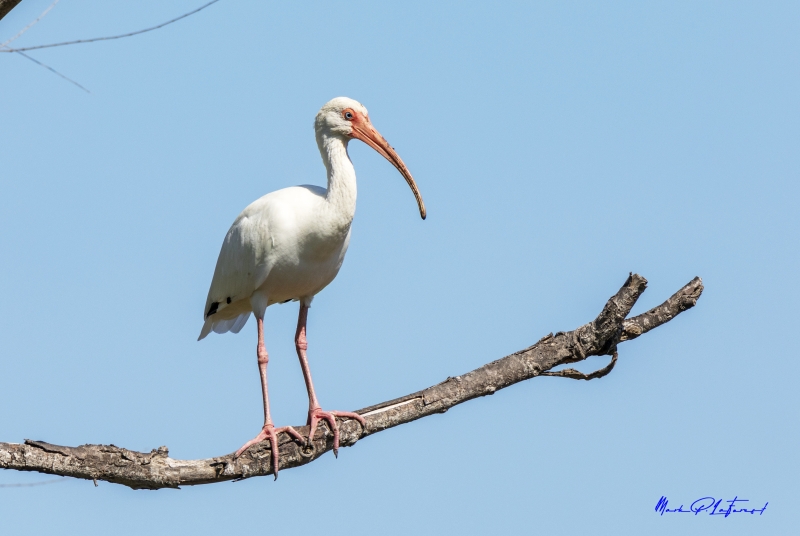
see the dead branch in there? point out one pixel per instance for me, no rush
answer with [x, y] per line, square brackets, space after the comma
[155, 470]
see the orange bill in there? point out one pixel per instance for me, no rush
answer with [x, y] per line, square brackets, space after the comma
[364, 131]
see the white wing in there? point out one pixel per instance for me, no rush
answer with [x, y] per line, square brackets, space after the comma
[249, 252]
[242, 264]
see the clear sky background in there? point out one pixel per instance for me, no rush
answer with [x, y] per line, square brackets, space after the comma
[558, 146]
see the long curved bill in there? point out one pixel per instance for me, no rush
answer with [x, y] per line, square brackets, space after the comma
[364, 131]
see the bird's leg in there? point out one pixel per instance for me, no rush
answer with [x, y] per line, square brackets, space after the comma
[268, 431]
[315, 412]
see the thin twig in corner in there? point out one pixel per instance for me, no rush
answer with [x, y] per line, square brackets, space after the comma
[79, 41]
[21, 51]
[29, 26]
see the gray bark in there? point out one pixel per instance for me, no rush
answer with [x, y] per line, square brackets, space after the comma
[155, 470]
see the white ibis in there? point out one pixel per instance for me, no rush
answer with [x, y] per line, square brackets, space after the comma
[288, 246]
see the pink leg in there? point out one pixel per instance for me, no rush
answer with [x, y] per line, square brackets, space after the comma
[269, 431]
[315, 412]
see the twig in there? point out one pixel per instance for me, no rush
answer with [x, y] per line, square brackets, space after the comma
[50, 69]
[79, 41]
[21, 51]
[29, 26]
[578, 375]
[685, 298]
[33, 484]
[155, 470]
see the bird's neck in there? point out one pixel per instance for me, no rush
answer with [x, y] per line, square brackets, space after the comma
[341, 194]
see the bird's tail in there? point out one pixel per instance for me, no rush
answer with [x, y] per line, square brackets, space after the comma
[223, 326]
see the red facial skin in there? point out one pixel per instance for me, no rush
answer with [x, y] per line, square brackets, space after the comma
[364, 131]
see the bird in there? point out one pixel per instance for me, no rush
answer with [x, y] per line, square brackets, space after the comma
[288, 246]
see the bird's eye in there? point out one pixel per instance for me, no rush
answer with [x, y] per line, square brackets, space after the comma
[348, 115]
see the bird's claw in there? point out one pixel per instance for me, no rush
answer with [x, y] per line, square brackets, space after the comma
[270, 433]
[316, 415]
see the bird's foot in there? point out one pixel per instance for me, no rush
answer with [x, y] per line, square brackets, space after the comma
[270, 433]
[317, 414]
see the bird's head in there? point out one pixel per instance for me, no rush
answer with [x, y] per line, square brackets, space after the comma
[347, 118]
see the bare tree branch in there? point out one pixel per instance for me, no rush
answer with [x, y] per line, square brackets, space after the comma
[156, 469]
[110, 37]
[6, 6]
[685, 298]
[21, 51]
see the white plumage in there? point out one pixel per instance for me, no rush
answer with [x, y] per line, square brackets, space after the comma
[289, 245]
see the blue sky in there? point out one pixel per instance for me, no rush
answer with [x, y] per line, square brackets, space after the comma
[558, 146]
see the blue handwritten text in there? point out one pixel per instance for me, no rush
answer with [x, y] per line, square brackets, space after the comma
[710, 506]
